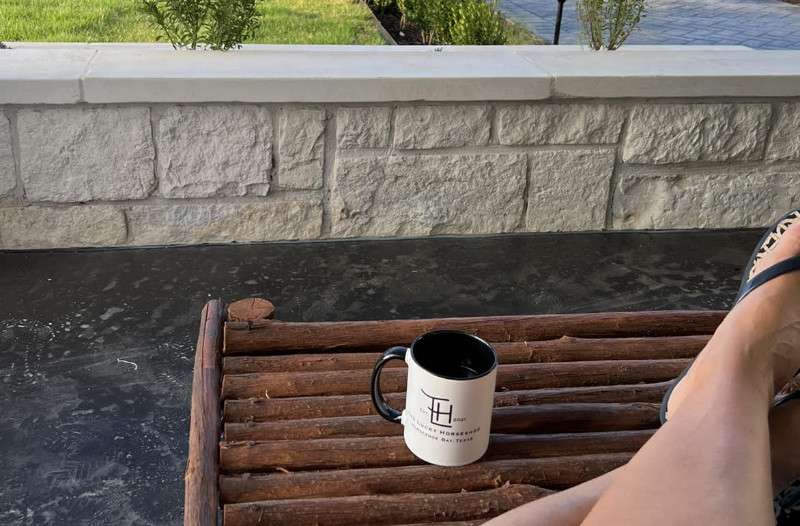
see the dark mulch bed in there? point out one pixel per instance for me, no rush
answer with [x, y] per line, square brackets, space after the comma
[403, 34]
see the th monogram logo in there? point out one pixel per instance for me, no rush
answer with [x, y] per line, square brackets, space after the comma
[441, 413]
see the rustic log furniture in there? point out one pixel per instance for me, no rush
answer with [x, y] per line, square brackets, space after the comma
[283, 431]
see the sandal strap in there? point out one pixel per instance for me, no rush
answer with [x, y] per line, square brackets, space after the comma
[795, 395]
[778, 269]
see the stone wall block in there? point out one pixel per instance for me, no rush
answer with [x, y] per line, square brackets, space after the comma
[302, 145]
[727, 197]
[420, 127]
[366, 127]
[537, 124]
[785, 143]
[676, 133]
[62, 227]
[428, 194]
[219, 150]
[86, 154]
[569, 189]
[192, 223]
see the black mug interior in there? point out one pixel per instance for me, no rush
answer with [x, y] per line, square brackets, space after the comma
[454, 355]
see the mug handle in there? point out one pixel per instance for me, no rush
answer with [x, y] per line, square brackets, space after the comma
[390, 414]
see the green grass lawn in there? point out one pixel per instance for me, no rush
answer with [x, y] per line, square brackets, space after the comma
[283, 22]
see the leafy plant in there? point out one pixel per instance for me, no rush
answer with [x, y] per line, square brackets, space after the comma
[608, 23]
[430, 16]
[456, 21]
[216, 24]
[477, 22]
[381, 6]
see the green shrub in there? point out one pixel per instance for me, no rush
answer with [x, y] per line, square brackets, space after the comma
[216, 24]
[430, 16]
[461, 22]
[608, 23]
[477, 22]
[382, 6]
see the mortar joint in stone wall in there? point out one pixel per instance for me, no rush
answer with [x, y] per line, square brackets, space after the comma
[614, 180]
[153, 131]
[275, 115]
[773, 122]
[526, 195]
[328, 167]
[493, 138]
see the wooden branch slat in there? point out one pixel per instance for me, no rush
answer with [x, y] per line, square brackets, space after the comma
[339, 453]
[267, 410]
[379, 510]
[448, 523]
[509, 377]
[528, 419]
[200, 481]
[269, 336]
[551, 473]
[566, 349]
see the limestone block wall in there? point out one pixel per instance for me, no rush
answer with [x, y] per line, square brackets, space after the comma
[137, 173]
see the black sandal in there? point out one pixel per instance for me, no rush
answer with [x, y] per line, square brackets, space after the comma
[750, 283]
[787, 503]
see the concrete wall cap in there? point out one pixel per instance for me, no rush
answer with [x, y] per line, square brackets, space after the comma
[33, 73]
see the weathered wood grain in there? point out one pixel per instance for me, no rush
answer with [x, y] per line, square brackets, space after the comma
[200, 480]
[271, 336]
[566, 349]
[264, 410]
[377, 510]
[551, 473]
[339, 453]
[509, 378]
[527, 419]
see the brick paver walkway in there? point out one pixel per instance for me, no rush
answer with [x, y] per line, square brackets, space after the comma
[764, 24]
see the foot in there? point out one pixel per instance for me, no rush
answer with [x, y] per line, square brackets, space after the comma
[760, 337]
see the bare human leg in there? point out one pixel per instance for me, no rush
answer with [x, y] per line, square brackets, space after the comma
[710, 464]
[565, 508]
[570, 507]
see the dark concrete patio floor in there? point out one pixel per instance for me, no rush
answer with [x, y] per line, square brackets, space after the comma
[96, 347]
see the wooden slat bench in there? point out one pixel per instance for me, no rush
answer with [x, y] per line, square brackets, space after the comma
[283, 431]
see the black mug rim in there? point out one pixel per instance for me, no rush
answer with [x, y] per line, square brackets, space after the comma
[480, 340]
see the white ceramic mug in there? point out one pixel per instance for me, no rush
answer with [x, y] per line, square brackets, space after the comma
[449, 396]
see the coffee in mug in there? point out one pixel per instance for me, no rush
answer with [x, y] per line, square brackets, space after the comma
[449, 396]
